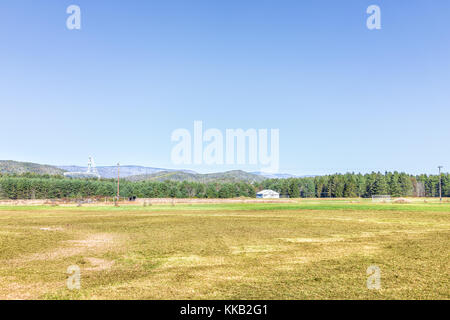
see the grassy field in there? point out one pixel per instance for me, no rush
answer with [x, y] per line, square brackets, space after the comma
[306, 250]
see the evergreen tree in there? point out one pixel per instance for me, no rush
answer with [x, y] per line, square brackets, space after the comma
[350, 189]
[394, 185]
[406, 185]
[379, 185]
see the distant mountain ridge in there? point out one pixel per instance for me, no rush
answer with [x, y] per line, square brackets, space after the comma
[16, 167]
[228, 176]
[274, 175]
[109, 172]
[141, 173]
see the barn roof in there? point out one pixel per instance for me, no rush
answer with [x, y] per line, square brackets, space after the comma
[267, 192]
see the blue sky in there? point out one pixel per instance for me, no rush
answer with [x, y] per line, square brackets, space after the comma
[344, 98]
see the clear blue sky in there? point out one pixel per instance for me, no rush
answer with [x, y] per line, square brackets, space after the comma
[343, 97]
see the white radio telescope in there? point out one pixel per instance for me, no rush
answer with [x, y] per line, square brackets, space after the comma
[91, 172]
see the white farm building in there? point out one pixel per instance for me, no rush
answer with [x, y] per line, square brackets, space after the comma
[268, 194]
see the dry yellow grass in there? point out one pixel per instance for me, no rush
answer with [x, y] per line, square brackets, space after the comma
[305, 250]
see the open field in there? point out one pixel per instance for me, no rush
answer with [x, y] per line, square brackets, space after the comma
[306, 249]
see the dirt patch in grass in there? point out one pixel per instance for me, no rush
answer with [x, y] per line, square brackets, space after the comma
[93, 243]
[99, 240]
[50, 228]
[255, 249]
[12, 289]
[311, 240]
[98, 264]
[191, 261]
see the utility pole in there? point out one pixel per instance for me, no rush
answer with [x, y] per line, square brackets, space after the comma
[440, 183]
[118, 181]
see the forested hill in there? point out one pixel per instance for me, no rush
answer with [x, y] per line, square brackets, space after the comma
[16, 167]
[229, 176]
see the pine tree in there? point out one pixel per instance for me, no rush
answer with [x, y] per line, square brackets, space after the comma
[379, 185]
[394, 186]
[350, 189]
[406, 185]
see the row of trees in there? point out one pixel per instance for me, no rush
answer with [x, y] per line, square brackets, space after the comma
[32, 186]
[357, 185]
[56, 188]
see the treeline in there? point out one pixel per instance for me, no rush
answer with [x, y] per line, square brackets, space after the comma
[33, 186]
[358, 185]
[19, 187]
